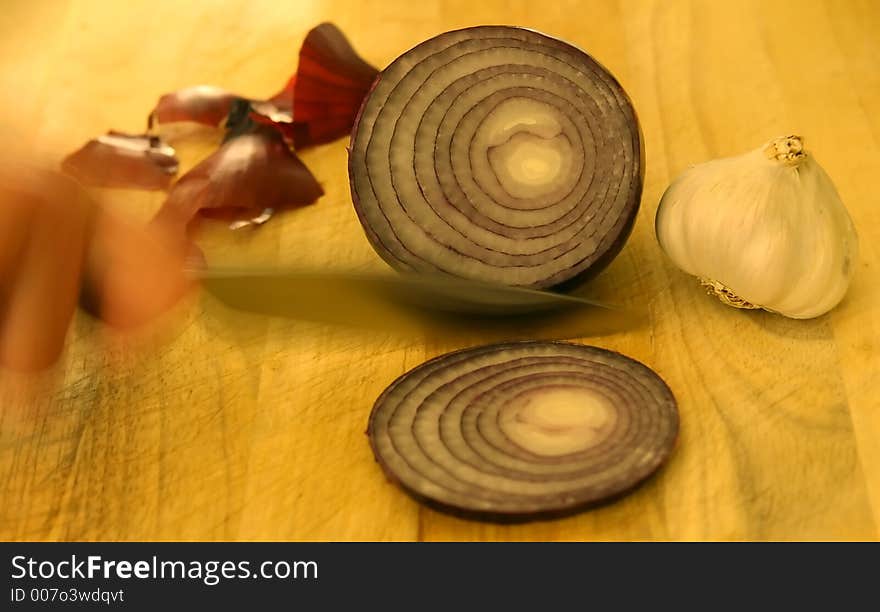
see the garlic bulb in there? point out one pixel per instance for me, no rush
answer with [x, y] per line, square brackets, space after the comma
[766, 229]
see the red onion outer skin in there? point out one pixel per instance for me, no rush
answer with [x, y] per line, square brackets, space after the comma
[203, 104]
[245, 176]
[319, 103]
[438, 430]
[123, 161]
[410, 248]
[331, 82]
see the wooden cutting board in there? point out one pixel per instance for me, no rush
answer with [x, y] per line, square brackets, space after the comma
[236, 427]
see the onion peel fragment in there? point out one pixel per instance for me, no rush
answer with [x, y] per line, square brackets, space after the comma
[318, 103]
[253, 173]
[323, 97]
[204, 104]
[119, 160]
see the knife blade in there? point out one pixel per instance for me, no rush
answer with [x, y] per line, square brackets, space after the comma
[414, 303]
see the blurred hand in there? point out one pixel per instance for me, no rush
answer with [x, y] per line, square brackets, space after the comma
[55, 243]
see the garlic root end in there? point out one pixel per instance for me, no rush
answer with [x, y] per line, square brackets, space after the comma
[726, 295]
[787, 150]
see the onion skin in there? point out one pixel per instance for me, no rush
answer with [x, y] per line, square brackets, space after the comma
[248, 174]
[204, 104]
[326, 92]
[317, 104]
[123, 161]
[435, 430]
[618, 125]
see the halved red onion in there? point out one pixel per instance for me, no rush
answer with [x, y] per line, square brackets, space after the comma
[138, 161]
[497, 154]
[524, 430]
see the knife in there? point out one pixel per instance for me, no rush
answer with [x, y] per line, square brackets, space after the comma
[414, 303]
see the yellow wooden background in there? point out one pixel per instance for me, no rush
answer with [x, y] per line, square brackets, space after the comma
[237, 427]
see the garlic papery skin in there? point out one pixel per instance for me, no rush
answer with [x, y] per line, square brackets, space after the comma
[764, 229]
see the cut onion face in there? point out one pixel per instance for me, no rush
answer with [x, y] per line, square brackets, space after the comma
[497, 154]
[523, 431]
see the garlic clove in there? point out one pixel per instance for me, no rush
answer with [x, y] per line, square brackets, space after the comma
[764, 229]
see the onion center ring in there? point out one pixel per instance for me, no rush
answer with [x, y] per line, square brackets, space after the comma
[523, 431]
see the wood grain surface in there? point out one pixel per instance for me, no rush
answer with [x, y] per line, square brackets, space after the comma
[230, 426]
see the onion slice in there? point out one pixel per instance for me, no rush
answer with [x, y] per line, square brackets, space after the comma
[523, 431]
[497, 154]
[120, 160]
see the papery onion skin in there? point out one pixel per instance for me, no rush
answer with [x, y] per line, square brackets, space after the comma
[123, 161]
[413, 244]
[317, 104]
[205, 104]
[320, 102]
[244, 177]
[438, 431]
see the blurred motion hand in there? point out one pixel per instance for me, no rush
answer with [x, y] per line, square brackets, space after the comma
[55, 243]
